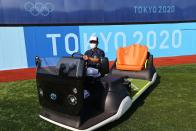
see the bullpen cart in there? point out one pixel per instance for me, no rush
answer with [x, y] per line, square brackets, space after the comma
[75, 101]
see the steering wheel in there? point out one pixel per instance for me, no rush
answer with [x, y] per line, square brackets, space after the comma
[78, 54]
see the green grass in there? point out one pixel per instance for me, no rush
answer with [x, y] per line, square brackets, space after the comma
[170, 105]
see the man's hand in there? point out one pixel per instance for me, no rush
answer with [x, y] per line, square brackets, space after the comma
[85, 57]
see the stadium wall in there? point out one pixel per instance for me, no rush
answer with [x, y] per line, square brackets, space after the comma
[95, 11]
[20, 45]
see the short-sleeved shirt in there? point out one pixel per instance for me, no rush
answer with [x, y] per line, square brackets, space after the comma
[97, 53]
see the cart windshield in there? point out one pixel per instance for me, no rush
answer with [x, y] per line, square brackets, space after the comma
[49, 65]
[49, 61]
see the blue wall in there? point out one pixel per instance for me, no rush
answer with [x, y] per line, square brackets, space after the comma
[12, 48]
[95, 11]
[19, 45]
[50, 41]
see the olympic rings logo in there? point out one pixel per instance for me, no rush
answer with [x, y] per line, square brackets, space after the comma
[39, 8]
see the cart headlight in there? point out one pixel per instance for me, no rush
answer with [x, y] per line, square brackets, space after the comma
[75, 91]
[72, 100]
[41, 93]
[53, 96]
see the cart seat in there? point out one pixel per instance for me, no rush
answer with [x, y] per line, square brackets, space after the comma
[131, 58]
[134, 61]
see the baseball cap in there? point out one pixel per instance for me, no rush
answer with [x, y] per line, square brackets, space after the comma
[93, 39]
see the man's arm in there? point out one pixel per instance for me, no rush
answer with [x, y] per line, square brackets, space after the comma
[96, 60]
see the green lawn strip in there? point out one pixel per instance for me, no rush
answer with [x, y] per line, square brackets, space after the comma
[137, 85]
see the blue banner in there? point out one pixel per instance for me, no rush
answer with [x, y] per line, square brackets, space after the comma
[95, 11]
[20, 45]
[163, 40]
[50, 42]
[12, 48]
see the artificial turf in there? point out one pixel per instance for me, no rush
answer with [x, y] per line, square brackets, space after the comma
[169, 105]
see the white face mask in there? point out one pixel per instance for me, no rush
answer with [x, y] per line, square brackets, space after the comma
[92, 46]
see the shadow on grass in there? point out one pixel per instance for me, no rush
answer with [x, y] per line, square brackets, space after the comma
[138, 103]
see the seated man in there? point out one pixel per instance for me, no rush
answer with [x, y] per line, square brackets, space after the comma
[92, 57]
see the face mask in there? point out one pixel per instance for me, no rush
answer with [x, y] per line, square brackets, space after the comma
[92, 46]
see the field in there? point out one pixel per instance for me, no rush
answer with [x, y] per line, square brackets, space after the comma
[169, 105]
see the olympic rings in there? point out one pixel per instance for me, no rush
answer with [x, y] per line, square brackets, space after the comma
[39, 8]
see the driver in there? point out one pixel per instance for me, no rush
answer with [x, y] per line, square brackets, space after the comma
[92, 57]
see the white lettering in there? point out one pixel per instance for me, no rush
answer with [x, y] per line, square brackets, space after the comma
[75, 37]
[106, 40]
[117, 35]
[53, 36]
